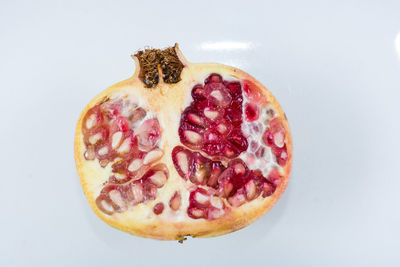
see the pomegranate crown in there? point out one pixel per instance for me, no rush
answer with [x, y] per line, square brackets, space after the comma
[154, 63]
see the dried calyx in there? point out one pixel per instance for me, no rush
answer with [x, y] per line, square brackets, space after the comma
[150, 60]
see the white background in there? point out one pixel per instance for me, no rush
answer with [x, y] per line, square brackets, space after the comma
[332, 65]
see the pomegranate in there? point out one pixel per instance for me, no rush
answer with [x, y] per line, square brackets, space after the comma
[182, 149]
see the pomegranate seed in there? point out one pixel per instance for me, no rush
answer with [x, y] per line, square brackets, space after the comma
[158, 208]
[137, 192]
[122, 123]
[158, 178]
[106, 207]
[196, 213]
[125, 146]
[228, 152]
[175, 202]
[104, 162]
[193, 118]
[211, 114]
[198, 92]
[149, 191]
[217, 169]
[182, 158]
[238, 140]
[283, 158]
[116, 197]
[211, 136]
[274, 177]
[234, 116]
[235, 88]
[252, 92]
[116, 139]
[216, 202]
[95, 138]
[213, 78]
[192, 137]
[91, 121]
[279, 139]
[268, 189]
[103, 151]
[252, 112]
[202, 199]
[199, 175]
[276, 125]
[217, 95]
[119, 166]
[221, 128]
[153, 156]
[237, 200]
[148, 134]
[135, 165]
[137, 115]
[267, 138]
[112, 108]
[119, 176]
[227, 189]
[250, 190]
[215, 213]
[90, 154]
[183, 162]
[239, 169]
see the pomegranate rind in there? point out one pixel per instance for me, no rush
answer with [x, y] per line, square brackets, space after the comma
[159, 100]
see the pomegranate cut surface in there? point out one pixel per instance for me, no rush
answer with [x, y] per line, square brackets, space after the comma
[182, 149]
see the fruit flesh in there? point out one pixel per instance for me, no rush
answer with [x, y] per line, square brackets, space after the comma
[230, 224]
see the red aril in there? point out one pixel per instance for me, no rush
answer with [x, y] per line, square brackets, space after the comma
[183, 149]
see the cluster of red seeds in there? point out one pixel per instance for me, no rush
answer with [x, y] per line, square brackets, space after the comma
[212, 124]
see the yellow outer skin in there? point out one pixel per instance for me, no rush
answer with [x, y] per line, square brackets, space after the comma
[168, 99]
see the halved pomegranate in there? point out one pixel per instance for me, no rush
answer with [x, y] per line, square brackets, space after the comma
[182, 149]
